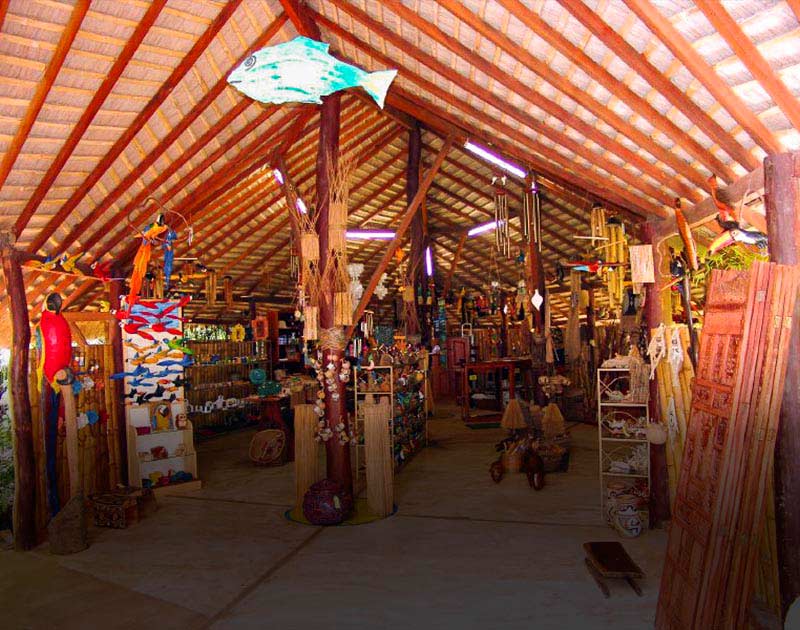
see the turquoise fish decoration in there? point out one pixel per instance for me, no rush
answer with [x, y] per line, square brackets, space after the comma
[302, 71]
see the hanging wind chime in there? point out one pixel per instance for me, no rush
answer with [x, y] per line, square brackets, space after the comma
[501, 233]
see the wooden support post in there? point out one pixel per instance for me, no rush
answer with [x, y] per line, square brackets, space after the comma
[416, 231]
[782, 201]
[453, 264]
[115, 339]
[24, 518]
[659, 480]
[337, 455]
[400, 232]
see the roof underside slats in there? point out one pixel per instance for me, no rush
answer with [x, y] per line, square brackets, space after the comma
[105, 103]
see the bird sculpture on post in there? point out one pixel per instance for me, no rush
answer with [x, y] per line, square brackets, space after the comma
[54, 341]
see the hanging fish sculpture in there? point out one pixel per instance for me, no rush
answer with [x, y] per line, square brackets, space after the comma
[169, 255]
[690, 248]
[302, 71]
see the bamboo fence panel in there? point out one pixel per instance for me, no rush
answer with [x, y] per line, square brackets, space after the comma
[306, 461]
[377, 444]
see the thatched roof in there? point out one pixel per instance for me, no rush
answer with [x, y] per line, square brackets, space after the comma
[627, 102]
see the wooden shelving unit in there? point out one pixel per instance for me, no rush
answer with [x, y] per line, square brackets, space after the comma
[622, 419]
[408, 423]
[222, 368]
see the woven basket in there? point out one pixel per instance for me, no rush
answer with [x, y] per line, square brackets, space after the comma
[512, 462]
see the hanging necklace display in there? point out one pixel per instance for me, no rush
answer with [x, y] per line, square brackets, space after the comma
[501, 234]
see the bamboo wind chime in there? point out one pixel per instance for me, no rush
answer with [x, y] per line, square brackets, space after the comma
[501, 233]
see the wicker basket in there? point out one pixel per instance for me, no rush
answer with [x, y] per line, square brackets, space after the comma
[512, 462]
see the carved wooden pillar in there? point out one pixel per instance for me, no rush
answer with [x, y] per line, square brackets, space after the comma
[782, 200]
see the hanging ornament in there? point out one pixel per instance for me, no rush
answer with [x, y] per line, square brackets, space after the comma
[537, 300]
[381, 290]
[355, 270]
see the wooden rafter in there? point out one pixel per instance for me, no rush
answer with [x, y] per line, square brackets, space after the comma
[694, 62]
[438, 119]
[753, 60]
[637, 182]
[637, 62]
[121, 62]
[134, 175]
[141, 118]
[587, 130]
[454, 262]
[401, 230]
[617, 87]
[71, 29]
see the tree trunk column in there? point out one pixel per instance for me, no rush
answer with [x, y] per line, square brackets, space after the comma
[659, 481]
[416, 229]
[782, 201]
[337, 455]
[24, 518]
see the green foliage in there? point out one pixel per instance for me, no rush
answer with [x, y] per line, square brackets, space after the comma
[6, 453]
[734, 257]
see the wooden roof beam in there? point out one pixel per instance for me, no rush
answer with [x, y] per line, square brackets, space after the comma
[349, 135]
[499, 103]
[639, 64]
[134, 175]
[71, 29]
[113, 75]
[142, 117]
[548, 105]
[753, 60]
[617, 87]
[416, 202]
[683, 50]
[428, 112]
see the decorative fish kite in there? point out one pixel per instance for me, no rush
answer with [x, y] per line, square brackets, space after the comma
[302, 71]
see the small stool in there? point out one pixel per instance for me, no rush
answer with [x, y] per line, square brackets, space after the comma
[610, 560]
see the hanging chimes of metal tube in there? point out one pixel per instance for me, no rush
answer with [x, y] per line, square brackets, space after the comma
[525, 219]
[536, 211]
[501, 233]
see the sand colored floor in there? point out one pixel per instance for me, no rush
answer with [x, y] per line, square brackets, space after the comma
[461, 552]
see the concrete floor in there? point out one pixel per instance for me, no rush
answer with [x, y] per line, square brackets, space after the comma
[460, 552]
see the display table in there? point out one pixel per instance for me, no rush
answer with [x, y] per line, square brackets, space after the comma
[511, 365]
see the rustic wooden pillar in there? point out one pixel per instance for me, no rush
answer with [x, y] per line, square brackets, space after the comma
[115, 339]
[24, 517]
[416, 229]
[659, 481]
[782, 201]
[337, 455]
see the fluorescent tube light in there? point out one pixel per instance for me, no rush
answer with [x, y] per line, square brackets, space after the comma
[480, 229]
[301, 206]
[428, 261]
[368, 234]
[495, 159]
[276, 173]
